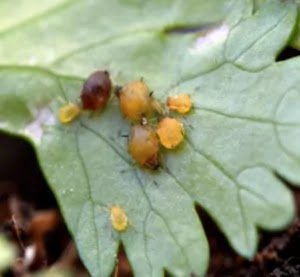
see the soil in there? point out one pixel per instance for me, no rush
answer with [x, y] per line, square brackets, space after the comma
[30, 218]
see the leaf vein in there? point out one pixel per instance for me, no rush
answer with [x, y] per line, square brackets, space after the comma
[247, 118]
[261, 37]
[97, 43]
[31, 20]
[163, 219]
[106, 141]
[90, 196]
[230, 177]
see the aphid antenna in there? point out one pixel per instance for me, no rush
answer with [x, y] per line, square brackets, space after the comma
[117, 90]
[166, 111]
[124, 136]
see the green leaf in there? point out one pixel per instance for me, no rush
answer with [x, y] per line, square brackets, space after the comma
[243, 129]
[8, 254]
[295, 40]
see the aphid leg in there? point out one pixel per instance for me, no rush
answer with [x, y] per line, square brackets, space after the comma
[120, 134]
[117, 90]
[191, 126]
[142, 79]
[151, 93]
[163, 164]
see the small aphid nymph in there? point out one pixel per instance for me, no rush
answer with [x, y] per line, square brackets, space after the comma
[170, 132]
[118, 217]
[143, 145]
[68, 113]
[96, 91]
[135, 100]
[181, 103]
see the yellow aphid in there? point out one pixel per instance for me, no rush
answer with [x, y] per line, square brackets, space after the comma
[135, 100]
[68, 113]
[182, 103]
[118, 218]
[143, 145]
[170, 132]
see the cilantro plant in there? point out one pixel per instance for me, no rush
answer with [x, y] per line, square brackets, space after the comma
[243, 129]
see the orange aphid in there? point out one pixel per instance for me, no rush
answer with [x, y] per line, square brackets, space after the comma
[182, 103]
[170, 132]
[118, 217]
[143, 145]
[135, 100]
[68, 113]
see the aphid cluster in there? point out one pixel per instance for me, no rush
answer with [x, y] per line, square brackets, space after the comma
[138, 104]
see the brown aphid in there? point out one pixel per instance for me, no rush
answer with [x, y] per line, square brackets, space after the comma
[143, 145]
[96, 90]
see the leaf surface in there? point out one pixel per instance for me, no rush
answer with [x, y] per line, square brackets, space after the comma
[243, 128]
